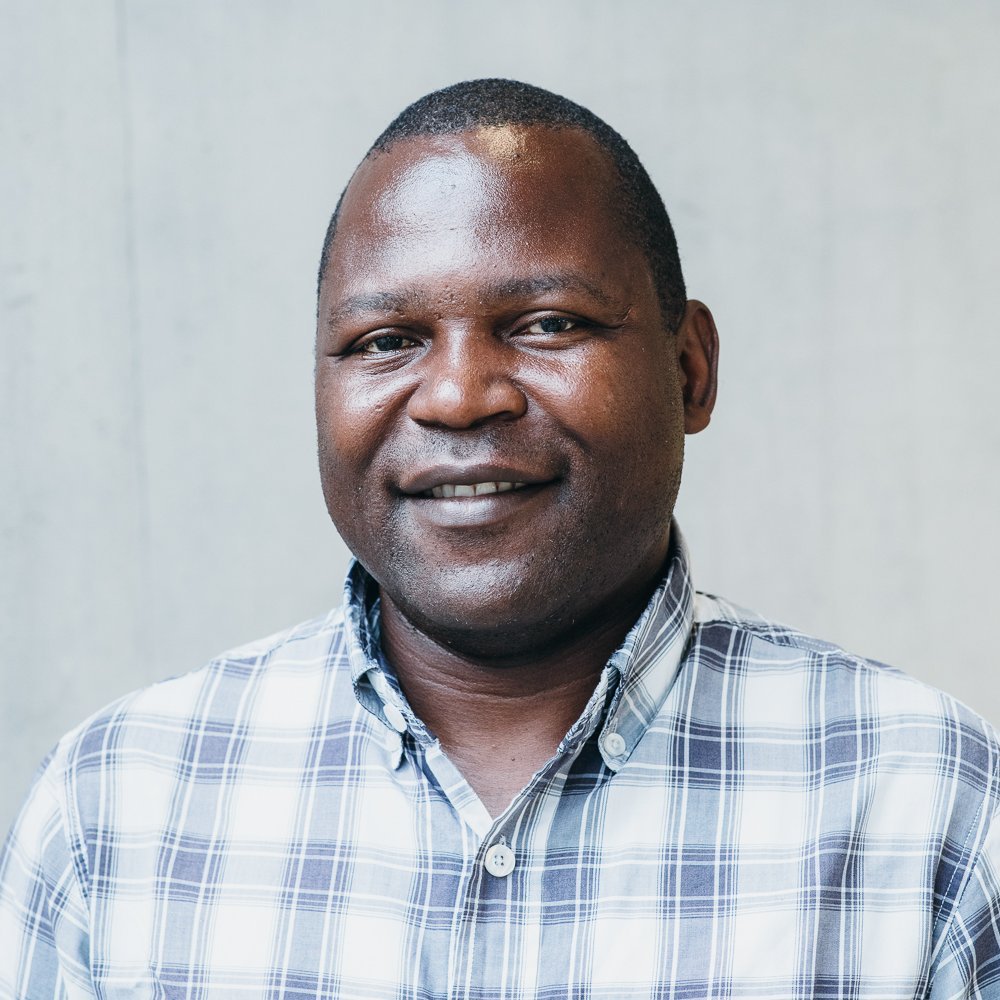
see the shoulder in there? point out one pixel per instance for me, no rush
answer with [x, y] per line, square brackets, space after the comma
[155, 736]
[856, 719]
[902, 771]
[792, 663]
[908, 759]
[113, 787]
[216, 690]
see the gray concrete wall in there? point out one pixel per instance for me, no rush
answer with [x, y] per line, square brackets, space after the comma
[166, 173]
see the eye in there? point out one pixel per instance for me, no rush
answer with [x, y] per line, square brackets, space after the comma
[386, 343]
[552, 324]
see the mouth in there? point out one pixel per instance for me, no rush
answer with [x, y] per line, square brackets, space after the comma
[448, 491]
[468, 481]
[467, 496]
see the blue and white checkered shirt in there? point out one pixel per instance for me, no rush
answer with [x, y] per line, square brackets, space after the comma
[741, 811]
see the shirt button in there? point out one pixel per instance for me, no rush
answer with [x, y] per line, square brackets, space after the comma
[395, 718]
[499, 860]
[613, 744]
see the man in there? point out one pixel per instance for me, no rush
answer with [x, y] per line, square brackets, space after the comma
[525, 758]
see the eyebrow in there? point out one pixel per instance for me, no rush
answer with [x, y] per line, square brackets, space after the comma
[513, 288]
[558, 282]
[369, 302]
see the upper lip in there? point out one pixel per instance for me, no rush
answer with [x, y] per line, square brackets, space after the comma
[420, 481]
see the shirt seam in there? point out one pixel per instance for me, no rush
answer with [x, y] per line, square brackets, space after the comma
[72, 831]
[974, 861]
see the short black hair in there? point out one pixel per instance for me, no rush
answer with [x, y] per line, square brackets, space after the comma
[474, 104]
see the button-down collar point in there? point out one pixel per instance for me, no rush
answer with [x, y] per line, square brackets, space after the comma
[395, 718]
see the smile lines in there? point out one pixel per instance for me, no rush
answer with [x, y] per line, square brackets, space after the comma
[448, 490]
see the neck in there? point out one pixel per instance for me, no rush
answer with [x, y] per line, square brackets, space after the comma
[500, 719]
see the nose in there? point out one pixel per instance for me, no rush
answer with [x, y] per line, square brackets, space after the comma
[466, 380]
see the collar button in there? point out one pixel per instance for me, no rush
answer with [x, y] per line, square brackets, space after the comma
[613, 744]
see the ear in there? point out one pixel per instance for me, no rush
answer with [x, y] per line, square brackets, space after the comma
[698, 360]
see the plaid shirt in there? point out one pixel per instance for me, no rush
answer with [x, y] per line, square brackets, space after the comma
[741, 811]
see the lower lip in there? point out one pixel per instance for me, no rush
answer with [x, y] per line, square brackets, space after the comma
[476, 512]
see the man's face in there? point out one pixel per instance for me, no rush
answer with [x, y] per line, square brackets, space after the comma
[486, 328]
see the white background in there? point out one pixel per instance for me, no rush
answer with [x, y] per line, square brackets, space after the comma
[166, 174]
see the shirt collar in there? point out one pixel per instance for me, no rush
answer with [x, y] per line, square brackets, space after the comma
[631, 689]
[642, 670]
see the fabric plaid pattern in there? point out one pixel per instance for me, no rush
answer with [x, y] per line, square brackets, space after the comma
[741, 811]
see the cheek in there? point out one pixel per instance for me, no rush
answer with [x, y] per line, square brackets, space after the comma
[350, 421]
[351, 408]
[626, 410]
[637, 430]
[583, 390]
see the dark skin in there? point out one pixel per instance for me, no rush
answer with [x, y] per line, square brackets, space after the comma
[483, 319]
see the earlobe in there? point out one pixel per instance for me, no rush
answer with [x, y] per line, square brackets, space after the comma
[698, 357]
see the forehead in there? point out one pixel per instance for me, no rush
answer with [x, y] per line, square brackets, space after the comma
[524, 164]
[511, 196]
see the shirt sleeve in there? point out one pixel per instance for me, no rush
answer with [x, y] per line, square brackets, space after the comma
[44, 932]
[968, 964]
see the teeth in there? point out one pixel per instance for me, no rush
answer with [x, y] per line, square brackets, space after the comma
[448, 490]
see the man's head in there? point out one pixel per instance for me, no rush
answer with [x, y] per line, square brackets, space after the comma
[490, 320]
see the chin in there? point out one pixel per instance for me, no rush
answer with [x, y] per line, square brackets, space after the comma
[483, 611]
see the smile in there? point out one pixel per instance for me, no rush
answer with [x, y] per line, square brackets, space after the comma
[461, 496]
[448, 490]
